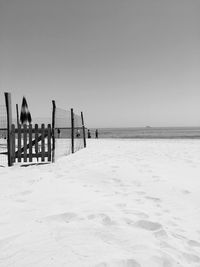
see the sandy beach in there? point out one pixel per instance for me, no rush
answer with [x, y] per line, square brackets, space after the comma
[123, 203]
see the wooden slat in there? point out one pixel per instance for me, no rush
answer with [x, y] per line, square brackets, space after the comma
[30, 143]
[43, 141]
[25, 142]
[13, 142]
[36, 140]
[19, 143]
[49, 141]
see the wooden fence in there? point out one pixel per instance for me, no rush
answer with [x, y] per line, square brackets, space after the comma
[30, 142]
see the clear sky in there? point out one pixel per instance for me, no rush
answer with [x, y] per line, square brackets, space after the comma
[121, 62]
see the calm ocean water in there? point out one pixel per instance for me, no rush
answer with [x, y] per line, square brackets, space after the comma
[131, 133]
[149, 132]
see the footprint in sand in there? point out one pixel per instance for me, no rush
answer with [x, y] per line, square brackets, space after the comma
[161, 234]
[66, 217]
[103, 218]
[148, 225]
[193, 243]
[155, 199]
[24, 193]
[186, 192]
[120, 263]
[106, 220]
[178, 236]
[191, 258]
[140, 214]
[165, 261]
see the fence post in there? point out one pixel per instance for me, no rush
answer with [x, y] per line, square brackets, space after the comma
[72, 129]
[83, 126]
[17, 110]
[53, 130]
[9, 122]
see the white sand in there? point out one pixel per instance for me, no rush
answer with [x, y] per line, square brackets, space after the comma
[116, 203]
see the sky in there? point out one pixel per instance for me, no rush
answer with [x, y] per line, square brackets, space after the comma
[127, 63]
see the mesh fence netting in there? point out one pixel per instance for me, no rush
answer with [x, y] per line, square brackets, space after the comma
[3, 136]
[78, 133]
[63, 133]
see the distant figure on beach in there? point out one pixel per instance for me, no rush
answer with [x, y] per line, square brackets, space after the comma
[58, 131]
[96, 133]
[89, 134]
[25, 116]
[78, 134]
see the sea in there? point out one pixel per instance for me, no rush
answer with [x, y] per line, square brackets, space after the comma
[135, 132]
[149, 132]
